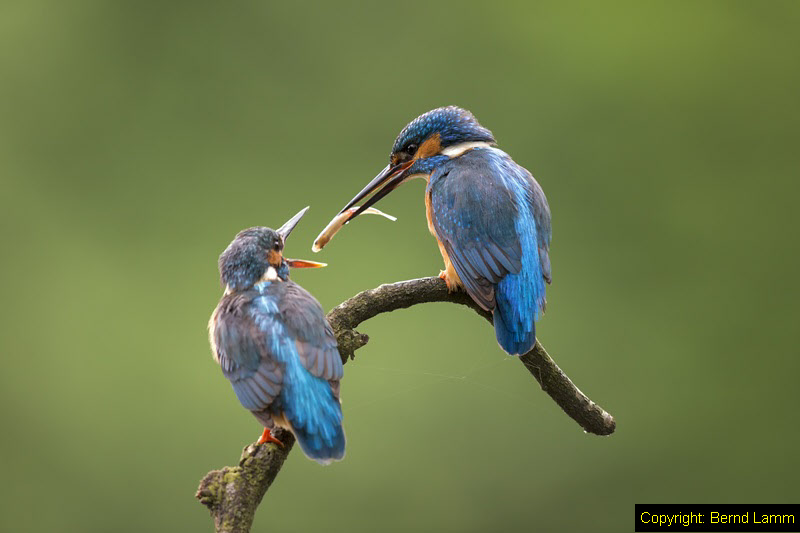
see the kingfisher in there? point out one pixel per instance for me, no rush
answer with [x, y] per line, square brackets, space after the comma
[488, 214]
[275, 346]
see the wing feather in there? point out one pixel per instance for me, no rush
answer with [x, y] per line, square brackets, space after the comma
[474, 218]
[316, 344]
[253, 336]
[241, 345]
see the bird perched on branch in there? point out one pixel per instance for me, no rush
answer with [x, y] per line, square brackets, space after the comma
[489, 216]
[274, 345]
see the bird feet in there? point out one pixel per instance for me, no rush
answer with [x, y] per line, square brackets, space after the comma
[452, 285]
[266, 436]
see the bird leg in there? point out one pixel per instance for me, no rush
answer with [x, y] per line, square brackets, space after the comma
[266, 436]
[452, 286]
[449, 274]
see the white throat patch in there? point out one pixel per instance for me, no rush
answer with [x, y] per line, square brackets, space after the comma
[271, 274]
[458, 149]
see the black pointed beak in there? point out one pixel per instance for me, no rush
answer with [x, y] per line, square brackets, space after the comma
[284, 232]
[385, 182]
[287, 228]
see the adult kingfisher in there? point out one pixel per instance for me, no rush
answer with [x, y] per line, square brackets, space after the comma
[274, 345]
[488, 214]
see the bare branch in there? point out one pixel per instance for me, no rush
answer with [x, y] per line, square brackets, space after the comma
[234, 493]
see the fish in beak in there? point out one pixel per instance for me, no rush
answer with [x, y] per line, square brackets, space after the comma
[338, 222]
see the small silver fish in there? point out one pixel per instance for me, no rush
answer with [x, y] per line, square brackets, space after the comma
[340, 220]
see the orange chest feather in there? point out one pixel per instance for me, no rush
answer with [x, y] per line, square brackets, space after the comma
[449, 273]
[429, 213]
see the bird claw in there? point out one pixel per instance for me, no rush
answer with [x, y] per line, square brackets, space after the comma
[451, 286]
[266, 436]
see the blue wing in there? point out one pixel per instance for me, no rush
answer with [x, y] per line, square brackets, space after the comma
[305, 321]
[475, 217]
[310, 398]
[544, 231]
[242, 349]
[492, 219]
[279, 352]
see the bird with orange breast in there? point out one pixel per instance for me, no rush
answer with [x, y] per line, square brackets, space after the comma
[489, 216]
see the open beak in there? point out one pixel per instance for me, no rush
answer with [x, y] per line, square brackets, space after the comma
[385, 182]
[287, 228]
[302, 263]
[284, 232]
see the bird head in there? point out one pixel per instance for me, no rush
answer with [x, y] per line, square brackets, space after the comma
[426, 142]
[256, 254]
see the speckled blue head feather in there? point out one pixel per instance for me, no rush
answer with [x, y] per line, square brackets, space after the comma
[245, 261]
[489, 216]
[453, 124]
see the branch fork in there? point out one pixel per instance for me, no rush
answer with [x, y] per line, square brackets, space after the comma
[233, 494]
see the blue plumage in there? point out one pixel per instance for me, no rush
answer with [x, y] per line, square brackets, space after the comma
[489, 215]
[273, 343]
[483, 213]
[520, 295]
[314, 412]
[452, 124]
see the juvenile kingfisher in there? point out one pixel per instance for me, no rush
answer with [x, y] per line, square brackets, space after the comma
[274, 345]
[489, 216]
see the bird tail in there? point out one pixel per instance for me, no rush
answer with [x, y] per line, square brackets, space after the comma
[511, 337]
[313, 410]
[518, 300]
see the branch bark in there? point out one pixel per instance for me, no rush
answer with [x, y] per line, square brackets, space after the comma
[233, 494]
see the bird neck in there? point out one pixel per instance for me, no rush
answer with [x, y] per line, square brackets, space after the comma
[422, 168]
[270, 275]
[455, 150]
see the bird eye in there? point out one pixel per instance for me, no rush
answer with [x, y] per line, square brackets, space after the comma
[412, 149]
[277, 246]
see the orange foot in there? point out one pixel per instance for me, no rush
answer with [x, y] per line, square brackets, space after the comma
[267, 437]
[452, 286]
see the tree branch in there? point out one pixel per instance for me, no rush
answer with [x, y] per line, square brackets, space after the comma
[233, 494]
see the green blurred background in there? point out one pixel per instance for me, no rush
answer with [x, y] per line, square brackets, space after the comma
[136, 139]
